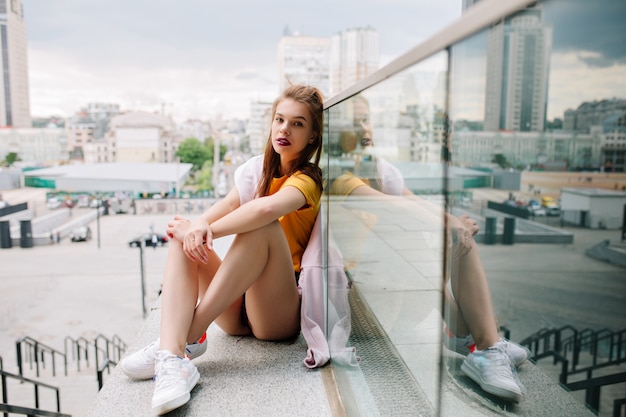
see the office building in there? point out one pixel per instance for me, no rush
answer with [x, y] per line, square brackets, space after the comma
[14, 90]
[354, 54]
[518, 57]
[303, 60]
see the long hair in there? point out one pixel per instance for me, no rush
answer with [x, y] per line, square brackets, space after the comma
[312, 98]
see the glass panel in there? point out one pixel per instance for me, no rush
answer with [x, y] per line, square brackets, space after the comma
[385, 186]
[538, 111]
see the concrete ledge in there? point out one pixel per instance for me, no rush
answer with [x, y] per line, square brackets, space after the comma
[239, 377]
[608, 252]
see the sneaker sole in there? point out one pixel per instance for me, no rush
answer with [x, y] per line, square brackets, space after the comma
[135, 375]
[497, 391]
[179, 401]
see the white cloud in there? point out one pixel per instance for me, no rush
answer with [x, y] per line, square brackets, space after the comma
[199, 57]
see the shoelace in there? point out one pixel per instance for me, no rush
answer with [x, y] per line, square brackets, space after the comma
[500, 366]
[168, 375]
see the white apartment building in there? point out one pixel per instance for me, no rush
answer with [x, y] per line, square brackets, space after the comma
[522, 149]
[14, 88]
[258, 126]
[137, 137]
[88, 125]
[303, 60]
[354, 54]
[34, 146]
[330, 64]
[194, 128]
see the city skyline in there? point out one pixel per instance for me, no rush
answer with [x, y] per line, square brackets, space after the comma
[193, 60]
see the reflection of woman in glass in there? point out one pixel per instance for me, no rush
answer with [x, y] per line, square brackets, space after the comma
[471, 327]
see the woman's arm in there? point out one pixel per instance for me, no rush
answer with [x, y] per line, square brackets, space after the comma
[178, 227]
[259, 212]
[250, 216]
[459, 230]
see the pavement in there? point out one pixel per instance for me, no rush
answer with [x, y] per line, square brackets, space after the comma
[94, 288]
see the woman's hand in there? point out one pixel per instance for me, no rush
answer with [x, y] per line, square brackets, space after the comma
[460, 234]
[177, 227]
[195, 236]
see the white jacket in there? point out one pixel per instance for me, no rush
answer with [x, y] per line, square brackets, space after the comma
[326, 330]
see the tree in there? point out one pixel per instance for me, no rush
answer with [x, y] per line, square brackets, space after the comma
[204, 177]
[192, 151]
[210, 144]
[10, 159]
[501, 161]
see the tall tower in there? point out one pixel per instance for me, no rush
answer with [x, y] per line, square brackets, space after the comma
[14, 90]
[354, 54]
[303, 60]
[518, 57]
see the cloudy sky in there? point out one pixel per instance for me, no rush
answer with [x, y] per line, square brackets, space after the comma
[194, 58]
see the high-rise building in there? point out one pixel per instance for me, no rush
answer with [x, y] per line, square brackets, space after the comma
[258, 127]
[354, 54]
[303, 60]
[518, 57]
[14, 90]
[330, 64]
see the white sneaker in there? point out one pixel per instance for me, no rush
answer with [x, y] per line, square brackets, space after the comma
[518, 353]
[493, 371]
[466, 345]
[140, 365]
[174, 379]
[193, 350]
[463, 345]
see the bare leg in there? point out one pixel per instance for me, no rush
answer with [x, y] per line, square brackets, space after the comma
[182, 281]
[258, 263]
[471, 307]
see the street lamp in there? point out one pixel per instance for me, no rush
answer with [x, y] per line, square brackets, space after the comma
[142, 244]
[98, 218]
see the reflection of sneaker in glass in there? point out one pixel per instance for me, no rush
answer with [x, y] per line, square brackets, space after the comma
[174, 379]
[493, 371]
[518, 353]
[463, 345]
[140, 365]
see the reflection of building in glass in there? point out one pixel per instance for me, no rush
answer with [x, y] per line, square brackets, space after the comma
[408, 126]
[546, 150]
[354, 55]
[14, 95]
[614, 143]
[590, 114]
[607, 119]
[303, 60]
[517, 72]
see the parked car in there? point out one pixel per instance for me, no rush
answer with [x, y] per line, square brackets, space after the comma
[54, 203]
[537, 211]
[80, 234]
[551, 206]
[553, 211]
[147, 239]
[534, 204]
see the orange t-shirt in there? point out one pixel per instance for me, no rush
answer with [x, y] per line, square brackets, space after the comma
[298, 224]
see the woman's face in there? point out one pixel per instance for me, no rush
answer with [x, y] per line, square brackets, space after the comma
[361, 123]
[292, 129]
